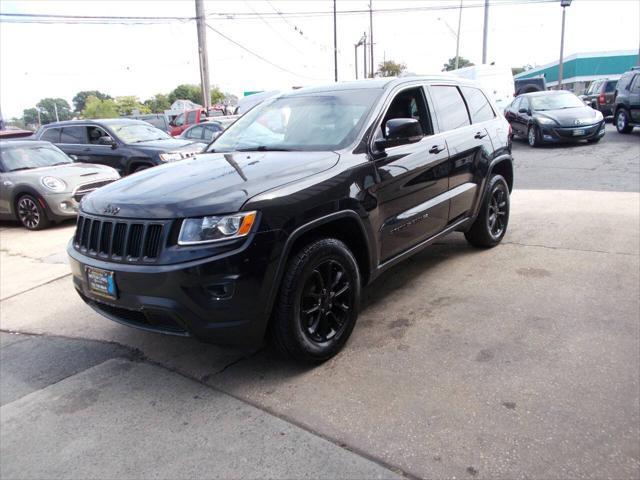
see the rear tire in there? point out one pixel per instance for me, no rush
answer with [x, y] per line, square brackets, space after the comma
[490, 226]
[622, 121]
[317, 306]
[31, 214]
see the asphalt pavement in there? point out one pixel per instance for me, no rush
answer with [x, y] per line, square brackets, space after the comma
[522, 361]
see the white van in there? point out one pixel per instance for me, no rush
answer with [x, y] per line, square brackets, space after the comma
[496, 80]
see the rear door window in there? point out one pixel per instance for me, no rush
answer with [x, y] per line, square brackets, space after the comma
[191, 117]
[73, 135]
[611, 86]
[51, 135]
[479, 106]
[195, 132]
[450, 107]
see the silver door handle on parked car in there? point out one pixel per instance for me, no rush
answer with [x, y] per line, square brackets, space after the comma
[436, 149]
[480, 135]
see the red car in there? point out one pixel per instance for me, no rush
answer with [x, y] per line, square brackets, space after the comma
[187, 119]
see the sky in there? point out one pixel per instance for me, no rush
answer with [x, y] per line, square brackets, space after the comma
[59, 60]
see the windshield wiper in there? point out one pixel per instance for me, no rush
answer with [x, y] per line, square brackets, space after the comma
[21, 168]
[264, 148]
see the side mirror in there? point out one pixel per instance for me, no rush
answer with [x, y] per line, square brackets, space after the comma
[73, 157]
[524, 110]
[400, 131]
[107, 140]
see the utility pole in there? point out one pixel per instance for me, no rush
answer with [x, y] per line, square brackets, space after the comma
[371, 37]
[364, 73]
[55, 109]
[39, 119]
[335, 43]
[485, 32]
[355, 62]
[564, 4]
[458, 37]
[202, 55]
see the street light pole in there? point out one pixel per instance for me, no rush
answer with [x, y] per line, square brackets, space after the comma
[564, 4]
[458, 36]
[485, 31]
[372, 74]
[335, 43]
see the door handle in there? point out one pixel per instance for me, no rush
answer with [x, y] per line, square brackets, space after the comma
[479, 135]
[436, 149]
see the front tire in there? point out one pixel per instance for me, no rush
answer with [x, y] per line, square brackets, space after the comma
[622, 121]
[318, 302]
[490, 226]
[31, 214]
[533, 137]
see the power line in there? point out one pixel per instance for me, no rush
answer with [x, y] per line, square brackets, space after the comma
[274, 30]
[260, 57]
[144, 20]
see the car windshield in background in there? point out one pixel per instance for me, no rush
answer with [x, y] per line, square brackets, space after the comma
[138, 132]
[320, 122]
[26, 158]
[555, 102]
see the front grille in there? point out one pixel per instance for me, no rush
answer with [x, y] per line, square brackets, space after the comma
[126, 241]
[568, 132]
[82, 190]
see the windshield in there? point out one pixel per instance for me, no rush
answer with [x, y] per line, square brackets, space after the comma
[319, 122]
[25, 158]
[555, 102]
[138, 132]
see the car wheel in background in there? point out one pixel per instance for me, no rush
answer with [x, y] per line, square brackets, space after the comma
[533, 136]
[318, 302]
[140, 168]
[490, 226]
[622, 121]
[31, 214]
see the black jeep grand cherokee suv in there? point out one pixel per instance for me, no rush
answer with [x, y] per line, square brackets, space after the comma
[297, 205]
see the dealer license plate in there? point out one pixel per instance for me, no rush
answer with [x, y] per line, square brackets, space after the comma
[102, 282]
[577, 132]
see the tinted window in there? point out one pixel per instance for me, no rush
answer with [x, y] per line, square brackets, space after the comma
[625, 82]
[157, 122]
[611, 86]
[195, 132]
[210, 131]
[51, 135]
[409, 103]
[450, 108]
[479, 107]
[191, 117]
[73, 135]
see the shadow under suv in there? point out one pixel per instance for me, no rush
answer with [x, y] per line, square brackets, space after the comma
[293, 209]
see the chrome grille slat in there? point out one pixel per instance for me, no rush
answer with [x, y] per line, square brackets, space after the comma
[130, 241]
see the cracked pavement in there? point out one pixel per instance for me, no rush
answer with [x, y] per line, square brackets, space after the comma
[516, 362]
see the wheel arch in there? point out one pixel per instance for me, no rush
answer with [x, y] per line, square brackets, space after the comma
[504, 167]
[27, 190]
[136, 162]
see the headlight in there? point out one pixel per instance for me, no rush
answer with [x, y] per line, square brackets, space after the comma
[215, 229]
[54, 184]
[545, 121]
[170, 157]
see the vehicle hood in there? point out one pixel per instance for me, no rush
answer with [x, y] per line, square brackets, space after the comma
[73, 175]
[206, 184]
[568, 117]
[171, 145]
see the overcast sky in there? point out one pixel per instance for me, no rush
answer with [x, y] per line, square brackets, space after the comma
[58, 60]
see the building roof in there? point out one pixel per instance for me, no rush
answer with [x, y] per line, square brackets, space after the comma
[586, 67]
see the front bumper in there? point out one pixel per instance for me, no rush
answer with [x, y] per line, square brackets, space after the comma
[61, 205]
[556, 134]
[224, 299]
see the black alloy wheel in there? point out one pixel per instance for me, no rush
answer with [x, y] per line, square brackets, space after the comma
[31, 214]
[490, 226]
[325, 302]
[497, 212]
[318, 301]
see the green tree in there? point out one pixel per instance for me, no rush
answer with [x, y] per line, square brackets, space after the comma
[97, 108]
[127, 104]
[216, 95]
[389, 68]
[158, 103]
[80, 99]
[517, 70]
[48, 107]
[451, 64]
[186, 92]
[30, 116]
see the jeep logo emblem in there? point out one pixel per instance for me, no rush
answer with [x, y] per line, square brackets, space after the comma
[111, 210]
